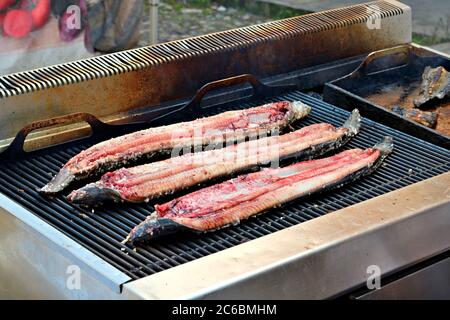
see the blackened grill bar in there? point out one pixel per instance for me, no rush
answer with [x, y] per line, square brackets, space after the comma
[54, 234]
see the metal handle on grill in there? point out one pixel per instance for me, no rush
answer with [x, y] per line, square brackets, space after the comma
[17, 145]
[403, 53]
[259, 90]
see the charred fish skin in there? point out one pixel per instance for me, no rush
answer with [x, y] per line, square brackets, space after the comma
[92, 194]
[435, 85]
[152, 228]
[117, 152]
[426, 118]
[230, 204]
[61, 181]
[150, 181]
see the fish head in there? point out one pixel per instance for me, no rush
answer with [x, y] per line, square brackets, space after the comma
[93, 195]
[150, 229]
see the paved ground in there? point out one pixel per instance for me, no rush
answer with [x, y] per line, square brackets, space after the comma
[430, 17]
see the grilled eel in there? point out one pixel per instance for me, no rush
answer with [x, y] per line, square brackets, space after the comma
[426, 118]
[230, 202]
[435, 85]
[231, 125]
[149, 181]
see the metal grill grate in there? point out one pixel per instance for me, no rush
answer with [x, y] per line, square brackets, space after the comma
[101, 232]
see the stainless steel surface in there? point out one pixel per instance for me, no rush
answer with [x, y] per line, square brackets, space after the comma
[39, 262]
[431, 283]
[112, 86]
[319, 258]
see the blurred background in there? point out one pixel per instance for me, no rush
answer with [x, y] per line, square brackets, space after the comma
[36, 33]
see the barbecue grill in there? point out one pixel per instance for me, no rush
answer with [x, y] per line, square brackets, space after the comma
[320, 247]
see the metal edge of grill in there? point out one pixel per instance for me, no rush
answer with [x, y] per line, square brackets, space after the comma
[72, 256]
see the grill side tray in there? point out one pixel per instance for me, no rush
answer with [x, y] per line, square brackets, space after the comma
[383, 68]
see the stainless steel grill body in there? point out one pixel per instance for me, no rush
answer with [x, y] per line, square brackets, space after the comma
[299, 251]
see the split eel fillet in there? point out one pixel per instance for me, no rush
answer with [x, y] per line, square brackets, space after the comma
[230, 202]
[117, 152]
[149, 181]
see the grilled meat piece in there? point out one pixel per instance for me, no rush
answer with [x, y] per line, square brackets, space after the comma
[230, 202]
[435, 85]
[426, 118]
[231, 125]
[149, 181]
